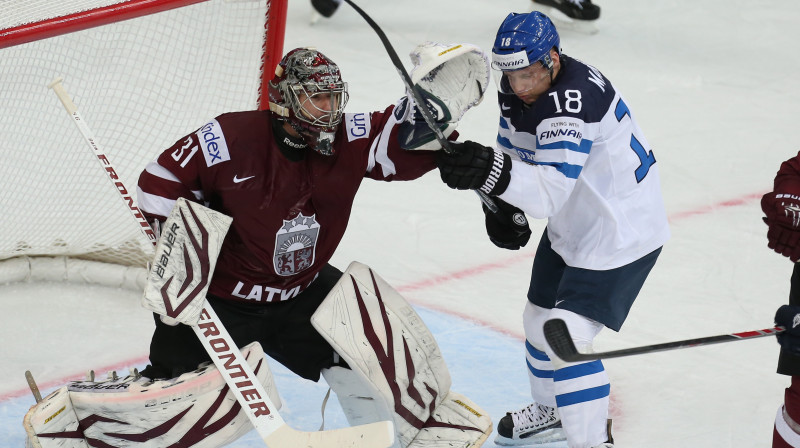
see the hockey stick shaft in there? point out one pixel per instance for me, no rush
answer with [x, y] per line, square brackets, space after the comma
[37, 395]
[426, 114]
[248, 390]
[72, 110]
[560, 340]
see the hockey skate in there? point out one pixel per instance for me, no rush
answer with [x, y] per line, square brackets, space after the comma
[578, 15]
[535, 425]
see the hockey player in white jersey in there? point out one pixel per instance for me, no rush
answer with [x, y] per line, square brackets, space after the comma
[568, 150]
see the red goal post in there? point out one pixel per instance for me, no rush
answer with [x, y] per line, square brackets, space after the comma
[143, 73]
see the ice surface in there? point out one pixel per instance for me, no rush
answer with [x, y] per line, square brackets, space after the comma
[712, 84]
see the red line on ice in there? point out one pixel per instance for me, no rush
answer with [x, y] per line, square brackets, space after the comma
[428, 283]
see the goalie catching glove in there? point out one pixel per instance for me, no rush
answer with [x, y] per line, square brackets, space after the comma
[414, 132]
[451, 79]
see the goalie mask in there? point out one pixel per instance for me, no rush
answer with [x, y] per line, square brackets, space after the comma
[308, 92]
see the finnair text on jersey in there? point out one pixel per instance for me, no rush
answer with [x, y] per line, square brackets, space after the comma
[560, 133]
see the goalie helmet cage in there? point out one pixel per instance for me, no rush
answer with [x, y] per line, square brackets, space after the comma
[143, 73]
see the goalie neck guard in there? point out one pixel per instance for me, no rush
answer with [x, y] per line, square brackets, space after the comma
[308, 92]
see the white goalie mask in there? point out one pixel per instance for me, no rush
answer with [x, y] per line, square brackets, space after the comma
[309, 93]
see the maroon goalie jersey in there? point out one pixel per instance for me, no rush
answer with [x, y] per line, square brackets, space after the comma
[288, 216]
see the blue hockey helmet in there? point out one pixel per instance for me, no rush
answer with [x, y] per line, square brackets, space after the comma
[523, 39]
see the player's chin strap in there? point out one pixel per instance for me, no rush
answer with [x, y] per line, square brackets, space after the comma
[396, 371]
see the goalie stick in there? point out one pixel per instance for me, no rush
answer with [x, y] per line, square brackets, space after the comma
[557, 335]
[262, 413]
[426, 114]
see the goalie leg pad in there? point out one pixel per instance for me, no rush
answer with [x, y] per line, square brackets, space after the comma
[53, 415]
[359, 398]
[195, 409]
[463, 422]
[397, 371]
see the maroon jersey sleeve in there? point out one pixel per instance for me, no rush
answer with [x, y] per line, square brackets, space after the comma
[387, 160]
[174, 174]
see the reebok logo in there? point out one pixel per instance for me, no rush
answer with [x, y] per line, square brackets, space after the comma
[291, 144]
[237, 179]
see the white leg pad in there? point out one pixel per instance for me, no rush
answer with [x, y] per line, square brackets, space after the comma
[54, 414]
[398, 372]
[467, 425]
[196, 409]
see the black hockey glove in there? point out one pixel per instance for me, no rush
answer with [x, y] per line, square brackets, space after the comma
[508, 228]
[786, 316]
[472, 166]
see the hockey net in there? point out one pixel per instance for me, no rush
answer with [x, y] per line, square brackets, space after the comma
[143, 73]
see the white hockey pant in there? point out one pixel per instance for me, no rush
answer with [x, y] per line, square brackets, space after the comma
[580, 390]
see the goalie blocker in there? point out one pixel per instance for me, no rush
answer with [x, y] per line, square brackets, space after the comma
[396, 371]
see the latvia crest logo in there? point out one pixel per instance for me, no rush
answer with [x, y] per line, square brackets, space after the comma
[295, 245]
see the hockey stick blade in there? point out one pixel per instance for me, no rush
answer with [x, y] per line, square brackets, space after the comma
[426, 114]
[557, 335]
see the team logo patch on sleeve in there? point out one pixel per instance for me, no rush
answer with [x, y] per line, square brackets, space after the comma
[357, 125]
[213, 144]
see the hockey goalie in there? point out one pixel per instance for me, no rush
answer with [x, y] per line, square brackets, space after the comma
[250, 209]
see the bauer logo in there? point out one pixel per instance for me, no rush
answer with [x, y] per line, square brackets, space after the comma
[511, 61]
[167, 244]
[212, 141]
[358, 126]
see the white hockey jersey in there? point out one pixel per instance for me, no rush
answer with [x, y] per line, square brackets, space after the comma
[581, 161]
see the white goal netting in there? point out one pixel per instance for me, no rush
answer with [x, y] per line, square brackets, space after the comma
[140, 84]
